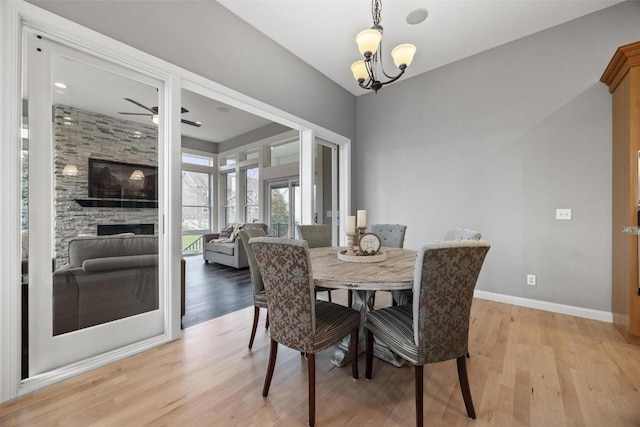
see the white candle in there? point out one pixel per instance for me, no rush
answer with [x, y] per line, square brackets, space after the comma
[362, 218]
[351, 224]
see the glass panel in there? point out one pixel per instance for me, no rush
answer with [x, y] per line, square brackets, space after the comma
[252, 202]
[230, 198]
[228, 160]
[285, 152]
[195, 201]
[91, 145]
[253, 154]
[195, 159]
[279, 214]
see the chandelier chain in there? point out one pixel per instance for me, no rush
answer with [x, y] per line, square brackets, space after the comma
[376, 10]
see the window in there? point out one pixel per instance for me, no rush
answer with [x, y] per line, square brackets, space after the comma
[196, 199]
[228, 160]
[253, 154]
[284, 152]
[230, 198]
[252, 202]
[195, 159]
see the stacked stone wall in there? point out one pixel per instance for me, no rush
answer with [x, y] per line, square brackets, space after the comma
[80, 135]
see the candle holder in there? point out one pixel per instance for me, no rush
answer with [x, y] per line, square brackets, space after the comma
[351, 243]
[360, 231]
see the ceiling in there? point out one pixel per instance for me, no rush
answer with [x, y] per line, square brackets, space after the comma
[220, 122]
[322, 32]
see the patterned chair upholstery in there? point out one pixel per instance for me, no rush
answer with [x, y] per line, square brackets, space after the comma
[405, 297]
[317, 236]
[298, 320]
[435, 327]
[259, 295]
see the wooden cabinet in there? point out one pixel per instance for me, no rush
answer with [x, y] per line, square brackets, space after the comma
[623, 78]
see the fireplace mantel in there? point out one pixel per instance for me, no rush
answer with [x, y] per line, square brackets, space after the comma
[116, 203]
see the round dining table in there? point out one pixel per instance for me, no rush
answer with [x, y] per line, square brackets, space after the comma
[364, 279]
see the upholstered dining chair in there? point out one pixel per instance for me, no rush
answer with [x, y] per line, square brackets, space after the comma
[317, 236]
[259, 295]
[298, 319]
[391, 236]
[435, 328]
[405, 297]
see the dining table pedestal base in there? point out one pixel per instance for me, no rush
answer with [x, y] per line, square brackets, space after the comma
[341, 356]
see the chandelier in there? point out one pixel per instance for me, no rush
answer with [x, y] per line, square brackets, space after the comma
[368, 71]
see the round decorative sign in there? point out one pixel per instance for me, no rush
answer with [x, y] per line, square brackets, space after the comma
[370, 243]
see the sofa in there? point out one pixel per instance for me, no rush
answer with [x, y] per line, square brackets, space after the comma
[107, 278]
[227, 248]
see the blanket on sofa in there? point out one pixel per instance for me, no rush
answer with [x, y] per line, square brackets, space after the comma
[228, 234]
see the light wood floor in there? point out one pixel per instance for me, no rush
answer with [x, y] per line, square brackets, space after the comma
[527, 368]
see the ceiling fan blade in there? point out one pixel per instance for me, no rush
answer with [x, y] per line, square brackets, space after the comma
[141, 106]
[136, 114]
[189, 122]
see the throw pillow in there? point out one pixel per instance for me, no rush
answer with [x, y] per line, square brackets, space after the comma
[225, 233]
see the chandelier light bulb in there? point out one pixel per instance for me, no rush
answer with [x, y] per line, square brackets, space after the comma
[403, 54]
[368, 41]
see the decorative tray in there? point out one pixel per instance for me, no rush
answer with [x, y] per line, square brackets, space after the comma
[362, 259]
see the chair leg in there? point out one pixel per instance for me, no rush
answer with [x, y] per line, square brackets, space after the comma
[256, 316]
[464, 385]
[311, 364]
[349, 298]
[329, 292]
[272, 364]
[419, 397]
[353, 350]
[266, 323]
[369, 355]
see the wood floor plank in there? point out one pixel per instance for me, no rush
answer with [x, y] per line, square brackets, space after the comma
[527, 368]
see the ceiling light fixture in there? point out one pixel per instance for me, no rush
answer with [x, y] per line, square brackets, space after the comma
[60, 85]
[155, 119]
[370, 46]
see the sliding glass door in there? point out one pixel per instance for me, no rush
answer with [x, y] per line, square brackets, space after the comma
[90, 220]
[284, 207]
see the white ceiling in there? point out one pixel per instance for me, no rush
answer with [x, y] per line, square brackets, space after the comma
[322, 32]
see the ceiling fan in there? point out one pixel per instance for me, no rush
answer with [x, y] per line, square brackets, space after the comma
[153, 113]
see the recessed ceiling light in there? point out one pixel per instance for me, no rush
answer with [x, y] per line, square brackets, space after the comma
[223, 109]
[60, 85]
[417, 16]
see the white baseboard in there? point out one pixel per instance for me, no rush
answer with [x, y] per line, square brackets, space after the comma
[553, 307]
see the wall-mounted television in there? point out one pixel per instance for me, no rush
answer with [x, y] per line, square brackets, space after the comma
[126, 181]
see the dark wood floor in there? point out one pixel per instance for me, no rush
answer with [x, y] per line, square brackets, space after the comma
[213, 290]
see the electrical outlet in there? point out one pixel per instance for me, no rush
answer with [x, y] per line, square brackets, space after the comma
[531, 279]
[563, 213]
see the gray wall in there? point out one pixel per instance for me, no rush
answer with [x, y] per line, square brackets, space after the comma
[204, 37]
[497, 142]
